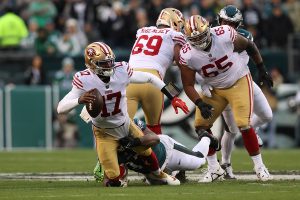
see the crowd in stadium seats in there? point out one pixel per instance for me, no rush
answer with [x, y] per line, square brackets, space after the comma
[64, 27]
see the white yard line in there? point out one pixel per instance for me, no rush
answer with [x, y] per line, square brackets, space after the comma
[62, 176]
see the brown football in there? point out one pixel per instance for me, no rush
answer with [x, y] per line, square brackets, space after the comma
[95, 107]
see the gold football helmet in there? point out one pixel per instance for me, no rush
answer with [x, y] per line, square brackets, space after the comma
[100, 58]
[197, 31]
[171, 17]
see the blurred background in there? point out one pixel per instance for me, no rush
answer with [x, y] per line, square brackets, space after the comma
[42, 43]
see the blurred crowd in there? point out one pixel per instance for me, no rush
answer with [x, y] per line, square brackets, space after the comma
[65, 27]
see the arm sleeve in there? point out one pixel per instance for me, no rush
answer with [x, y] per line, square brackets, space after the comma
[70, 101]
[144, 77]
[178, 38]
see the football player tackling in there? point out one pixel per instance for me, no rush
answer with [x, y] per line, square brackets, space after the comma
[113, 122]
[213, 53]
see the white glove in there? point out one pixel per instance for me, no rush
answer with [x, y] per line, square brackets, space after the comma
[206, 90]
[85, 115]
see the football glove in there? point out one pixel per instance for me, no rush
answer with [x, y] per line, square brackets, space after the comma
[129, 142]
[263, 76]
[205, 109]
[178, 103]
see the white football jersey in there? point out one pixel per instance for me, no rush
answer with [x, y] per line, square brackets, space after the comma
[154, 48]
[114, 111]
[220, 67]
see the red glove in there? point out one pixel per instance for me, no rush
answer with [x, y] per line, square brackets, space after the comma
[177, 102]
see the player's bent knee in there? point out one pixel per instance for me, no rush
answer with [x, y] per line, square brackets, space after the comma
[268, 117]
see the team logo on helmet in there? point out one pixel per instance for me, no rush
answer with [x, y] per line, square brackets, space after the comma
[91, 52]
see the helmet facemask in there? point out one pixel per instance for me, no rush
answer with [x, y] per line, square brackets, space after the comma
[200, 40]
[104, 68]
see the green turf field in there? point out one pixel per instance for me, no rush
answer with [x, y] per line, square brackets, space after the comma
[278, 161]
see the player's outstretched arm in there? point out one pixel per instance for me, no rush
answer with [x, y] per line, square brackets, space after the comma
[169, 90]
[241, 44]
[188, 82]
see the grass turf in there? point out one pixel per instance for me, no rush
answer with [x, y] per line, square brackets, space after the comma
[233, 190]
[84, 161]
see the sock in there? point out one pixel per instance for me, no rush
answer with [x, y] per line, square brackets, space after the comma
[211, 151]
[155, 128]
[212, 161]
[202, 146]
[227, 143]
[154, 165]
[257, 160]
[250, 141]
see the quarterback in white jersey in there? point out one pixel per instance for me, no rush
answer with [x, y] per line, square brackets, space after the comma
[211, 53]
[155, 49]
[113, 121]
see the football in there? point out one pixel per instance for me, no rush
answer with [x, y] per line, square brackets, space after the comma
[94, 108]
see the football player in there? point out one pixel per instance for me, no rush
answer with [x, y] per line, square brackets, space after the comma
[262, 112]
[172, 155]
[155, 49]
[113, 122]
[211, 52]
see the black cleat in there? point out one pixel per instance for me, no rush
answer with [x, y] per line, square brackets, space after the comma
[181, 176]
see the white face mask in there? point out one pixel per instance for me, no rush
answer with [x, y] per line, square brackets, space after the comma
[104, 71]
[200, 41]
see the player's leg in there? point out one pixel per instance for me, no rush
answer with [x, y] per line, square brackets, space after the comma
[151, 158]
[152, 101]
[262, 110]
[133, 97]
[201, 125]
[227, 141]
[180, 157]
[106, 147]
[241, 100]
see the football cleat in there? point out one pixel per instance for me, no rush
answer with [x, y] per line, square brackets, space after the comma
[262, 173]
[180, 175]
[162, 179]
[214, 142]
[212, 175]
[98, 173]
[228, 171]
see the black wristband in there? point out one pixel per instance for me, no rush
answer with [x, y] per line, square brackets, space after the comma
[170, 90]
[166, 92]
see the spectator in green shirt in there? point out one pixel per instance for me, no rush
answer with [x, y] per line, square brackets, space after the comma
[42, 11]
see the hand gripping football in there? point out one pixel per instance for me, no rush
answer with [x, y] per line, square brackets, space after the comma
[94, 108]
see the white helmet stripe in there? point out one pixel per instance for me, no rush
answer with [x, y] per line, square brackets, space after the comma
[104, 47]
[192, 22]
